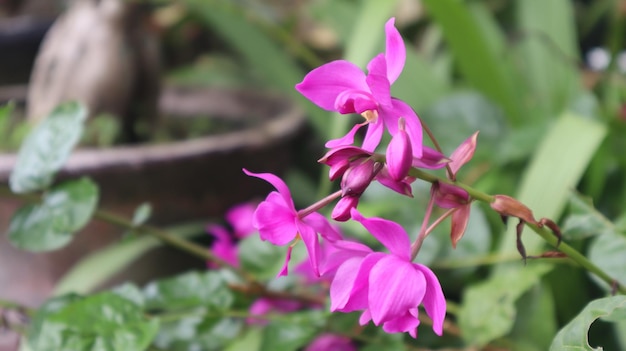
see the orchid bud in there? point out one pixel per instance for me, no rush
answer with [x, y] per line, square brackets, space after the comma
[339, 159]
[341, 212]
[358, 177]
[399, 153]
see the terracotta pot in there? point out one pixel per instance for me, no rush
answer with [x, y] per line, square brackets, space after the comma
[186, 180]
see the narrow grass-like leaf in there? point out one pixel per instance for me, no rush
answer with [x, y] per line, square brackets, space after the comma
[548, 54]
[478, 49]
[554, 171]
[275, 64]
[47, 147]
[99, 266]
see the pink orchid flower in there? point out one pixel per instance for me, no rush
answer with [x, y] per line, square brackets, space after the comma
[387, 287]
[342, 86]
[278, 222]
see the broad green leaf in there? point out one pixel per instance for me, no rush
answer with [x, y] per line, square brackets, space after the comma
[190, 290]
[478, 49]
[249, 341]
[584, 220]
[101, 322]
[488, 309]
[292, 331]
[548, 54]
[573, 337]
[198, 333]
[65, 209]
[260, 258]
[608, 251]
[97, 267]
[47, 147]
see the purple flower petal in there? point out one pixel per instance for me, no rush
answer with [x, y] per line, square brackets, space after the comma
[378, 82]
[240, 217]
[340, 251]
[373, 135]
[285, 268]
[275, 222]
[434, 302]
[413, 124]
[389, 233]
[359, 294]
[346, 140]
[309, 236]
[399, 154]
[395, 286]
[322, 226]
[459, 221]
[278, 184]
[403, 324]
[343, 282]
[395, 52]
[324, 84]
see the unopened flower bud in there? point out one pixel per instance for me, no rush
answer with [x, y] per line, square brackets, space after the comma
[358, 177]
[341, 212]
[399, 153]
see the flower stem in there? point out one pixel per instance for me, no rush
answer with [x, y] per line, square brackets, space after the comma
[319, 204]
[545, 233]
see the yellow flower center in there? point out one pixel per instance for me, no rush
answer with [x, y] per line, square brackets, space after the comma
[371, 116]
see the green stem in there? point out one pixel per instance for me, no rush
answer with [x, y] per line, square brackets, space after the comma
[545, 233]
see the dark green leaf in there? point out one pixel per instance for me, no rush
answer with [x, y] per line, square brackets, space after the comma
[190, 290]
[104, 322]
[549, 52]
[65, 209]
[608, 251]
[478, 48]
[292, 331]
[260, 258]
[199, 333]
[574, 335]
[47, 147]
[488, 309]
[584, 220]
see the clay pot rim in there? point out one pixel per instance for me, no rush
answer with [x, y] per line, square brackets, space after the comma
[288, 120]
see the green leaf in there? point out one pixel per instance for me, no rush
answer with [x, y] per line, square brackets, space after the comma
[190, 290]
[574, 335]
[607, 251]
[65, 209]
[584, 220]
[488, 309]
[260, 258]
[292, 331]
[555, 169]
[199, 333]
[101, 322]
[478, 48]
[47, 147]
[549, 52]
[97, 267]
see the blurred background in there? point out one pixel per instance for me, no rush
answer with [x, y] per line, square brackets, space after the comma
[511, 69]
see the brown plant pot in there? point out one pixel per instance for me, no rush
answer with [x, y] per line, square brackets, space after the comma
[185, 180]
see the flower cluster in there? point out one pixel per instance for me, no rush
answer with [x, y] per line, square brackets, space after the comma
[388, 287]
